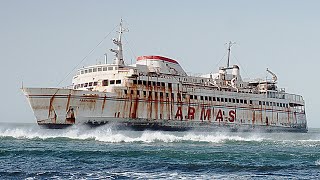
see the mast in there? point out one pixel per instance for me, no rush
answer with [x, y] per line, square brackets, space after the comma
[229, 51]
[119, 52]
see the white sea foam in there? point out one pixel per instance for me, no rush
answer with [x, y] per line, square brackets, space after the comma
[106, 134]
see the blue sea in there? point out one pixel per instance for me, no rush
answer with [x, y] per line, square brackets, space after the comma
[30, 152]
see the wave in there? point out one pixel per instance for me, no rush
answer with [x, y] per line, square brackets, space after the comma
[109, 134]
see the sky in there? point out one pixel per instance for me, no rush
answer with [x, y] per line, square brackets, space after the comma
[42, 41]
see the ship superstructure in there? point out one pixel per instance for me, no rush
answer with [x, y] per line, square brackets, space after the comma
[156, 93]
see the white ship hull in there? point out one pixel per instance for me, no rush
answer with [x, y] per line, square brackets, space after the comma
[59, 108]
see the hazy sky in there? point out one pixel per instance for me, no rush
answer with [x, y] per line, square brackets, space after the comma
[42, 41]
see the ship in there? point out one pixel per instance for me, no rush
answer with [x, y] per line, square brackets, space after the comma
[155, 93]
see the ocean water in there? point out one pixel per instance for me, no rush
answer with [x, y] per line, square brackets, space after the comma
[29, 152]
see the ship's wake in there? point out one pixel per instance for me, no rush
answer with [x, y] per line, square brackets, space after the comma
[110, 135]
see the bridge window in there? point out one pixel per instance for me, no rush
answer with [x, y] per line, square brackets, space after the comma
[86, 71]
[118, 81]
[138, 93]
[139, 82]
[125, 91]
[241, 101]
[90, 70]
[237, 100]
[110, 68]
[95, 83]
[86, 85]
[105, 69]
[144, 83]
[210, 98]
[158, 83]
[201, 97]
[94, 69]
[267, 103]
[153, 83]
[206, 98]
[167, 95]
[245, 101]
[191, 96]
[82, 72]
[250, 101]
[99, 69]
[233, 100]
[144, 93]
[112, 81]
[222, 99]
[195, 97]
[163, 84]
[213, 98]
[169, 85]
[218, 99]
[134, 81]
[90, 83]
[105, 82]
[161, 94]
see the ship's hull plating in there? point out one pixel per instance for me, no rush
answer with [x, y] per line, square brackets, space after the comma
[61, 108]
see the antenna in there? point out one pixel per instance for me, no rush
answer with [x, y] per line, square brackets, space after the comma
[229, 51]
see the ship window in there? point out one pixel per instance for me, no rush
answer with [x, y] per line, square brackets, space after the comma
[263, 103]
[125, 91]
[138, 93]
[218, 99]
[230, 100]
[179, 96]
[105, 69]
[144, 83]
[167, 95]
[267, 103]
[86, 71]
[161, 94]
[90, 83]
[86, 85]
[139, 82]
[153, 83]
[94, 69]
[278, 104]
[201, 97]
[118, 81]
[172, 96]
[237, 100]
[191, 96]
[144, 93]
[286, 105]
[110, 68]
[183, 96]
[169, 85]
[225, 99]
[111, 81]
[148, 83]
[259, 102]
[163, 84]
[213, 98]
[210, 98]
[81, 85]
[234, 100]
[115, 68]
[245, 101]
[99, 69]
[241, 101]
[250, 101]
[82, 72]
[95, 83]
[105, 82]
[131, 91]
[90, 70]
[206, 98]
[195, 97]
[274, 104]
[158, 83]
[155, 94]
[222, 99]
[134, 81]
